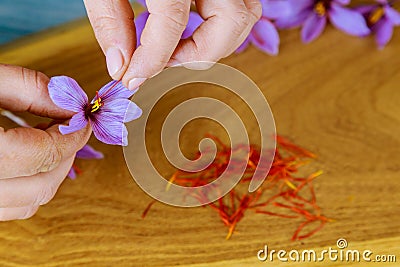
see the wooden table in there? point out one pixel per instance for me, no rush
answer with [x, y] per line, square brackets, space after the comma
[338, 97]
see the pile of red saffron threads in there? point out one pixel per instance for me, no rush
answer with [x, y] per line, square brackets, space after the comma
[283, 194]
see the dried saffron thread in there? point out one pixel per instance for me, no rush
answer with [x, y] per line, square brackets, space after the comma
[147, 209]
[76, 169]
[112, 87]
[285, 173]
[290, 194]
[276, 214]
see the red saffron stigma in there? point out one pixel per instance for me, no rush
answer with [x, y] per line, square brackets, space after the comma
[76, 169]
[283, 194]
[147, 209]
[109, 89]
[97, 95]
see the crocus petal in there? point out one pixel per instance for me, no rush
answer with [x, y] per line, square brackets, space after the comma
[365, 10]
[313, 27]
[393, 15]
[243, 46]
[66, 93]
[117, 91]
[343, 2]
[265, 36]
[300, 5]
[88, 152]
[194, 22]
[383, 2]
[384, 31]
[121, 110]
[292, 21]
[142, 2]
[133, 112]
[77, 122]
[71, 174]
[140, 22]
[274, 9]
[110, 132]
[347, 20]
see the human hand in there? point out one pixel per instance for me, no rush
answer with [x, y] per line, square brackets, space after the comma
[33, 162]
[226, 25]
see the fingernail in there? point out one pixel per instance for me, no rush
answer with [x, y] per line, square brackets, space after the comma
[135, 83]
[115, 60]
[173, 62]
[47, 168]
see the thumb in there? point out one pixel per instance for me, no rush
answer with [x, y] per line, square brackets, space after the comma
[28, 151]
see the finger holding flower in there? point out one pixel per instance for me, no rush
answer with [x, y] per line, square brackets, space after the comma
[33, 162]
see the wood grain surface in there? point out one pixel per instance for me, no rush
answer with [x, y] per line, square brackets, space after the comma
[338, 97]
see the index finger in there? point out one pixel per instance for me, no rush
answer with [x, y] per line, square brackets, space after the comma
[26, 90]
[113, 26]
[161, 34]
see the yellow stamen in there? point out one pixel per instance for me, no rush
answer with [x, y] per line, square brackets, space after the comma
[315, 174]
[170, 182]
[376, 15]
[230, 232]
[97, 104]
[290, 184]
[320, 9]
[251, 164]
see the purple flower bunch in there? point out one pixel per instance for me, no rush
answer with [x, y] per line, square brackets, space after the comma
[378, 18]
[381, 18]
[312, 16]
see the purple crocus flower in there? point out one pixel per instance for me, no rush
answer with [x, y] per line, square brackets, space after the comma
[106, 113]
[264, 34]
[87, 152]
[314, 14]
[72, 173]
[193, 23]
[381, 18]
